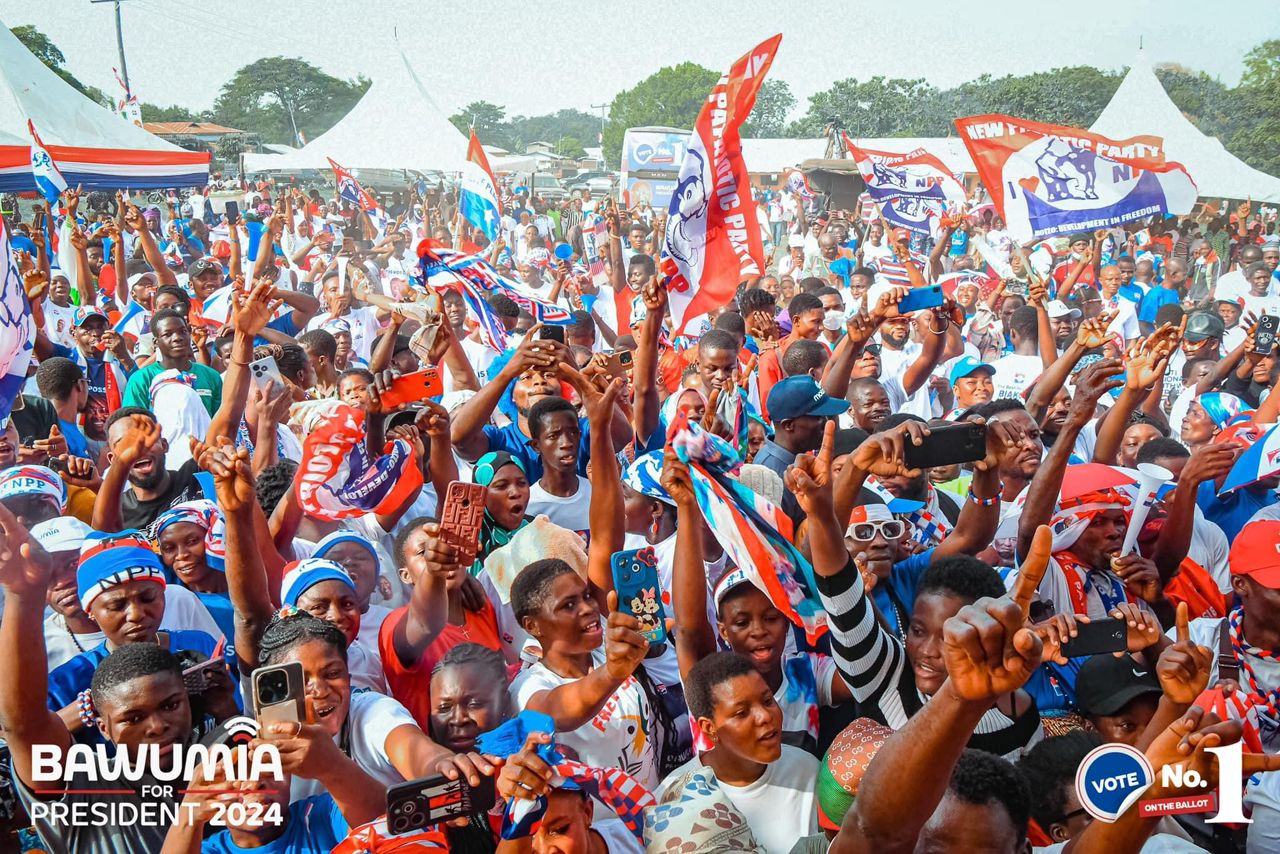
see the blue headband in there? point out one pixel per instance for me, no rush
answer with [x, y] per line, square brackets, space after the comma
[337, 538]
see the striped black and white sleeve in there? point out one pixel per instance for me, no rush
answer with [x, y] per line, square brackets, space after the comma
[869, 658]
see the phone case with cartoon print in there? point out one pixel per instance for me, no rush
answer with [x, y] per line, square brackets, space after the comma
[635, 579]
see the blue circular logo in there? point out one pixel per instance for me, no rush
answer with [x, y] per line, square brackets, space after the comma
[1111, 778]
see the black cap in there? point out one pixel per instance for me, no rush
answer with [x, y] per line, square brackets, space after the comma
[1106, 684]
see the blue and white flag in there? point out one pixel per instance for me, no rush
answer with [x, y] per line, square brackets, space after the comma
[910, 189]
[49, 180]
[479, 203]
[16, 327]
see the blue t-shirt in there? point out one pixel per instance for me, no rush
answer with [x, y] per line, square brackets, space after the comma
[903, 580]
[315, 826]
[77, 444]
[219, 605]
[73, 676]
[1153, 300]
[283, 324]
[959, 242]
[515, 443]
[1232, 511]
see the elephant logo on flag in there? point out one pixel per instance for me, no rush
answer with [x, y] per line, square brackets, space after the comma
[687, 233]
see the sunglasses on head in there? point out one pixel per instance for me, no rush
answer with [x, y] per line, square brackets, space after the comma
[891, 529]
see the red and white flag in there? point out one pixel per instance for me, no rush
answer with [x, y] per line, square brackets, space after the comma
[1048, 179]
[713, 238]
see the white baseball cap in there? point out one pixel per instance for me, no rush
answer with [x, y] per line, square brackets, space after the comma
[61, 534]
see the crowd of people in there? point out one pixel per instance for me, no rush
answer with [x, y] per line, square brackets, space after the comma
[849, 651]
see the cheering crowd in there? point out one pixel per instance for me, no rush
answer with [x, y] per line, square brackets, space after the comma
[856, 643]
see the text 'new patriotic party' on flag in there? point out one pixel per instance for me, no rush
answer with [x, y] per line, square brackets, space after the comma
[1048, 179]
[713, 239]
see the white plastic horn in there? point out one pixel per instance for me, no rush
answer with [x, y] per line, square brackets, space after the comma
[1151, 478]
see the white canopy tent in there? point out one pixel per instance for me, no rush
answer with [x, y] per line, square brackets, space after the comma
[1141, 106]
[90, 144]
[396, 125]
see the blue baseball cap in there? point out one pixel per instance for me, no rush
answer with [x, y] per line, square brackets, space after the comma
[966, 366]
[801, 395]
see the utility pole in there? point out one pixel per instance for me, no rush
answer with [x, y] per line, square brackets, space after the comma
[600, 141]
[124, 66]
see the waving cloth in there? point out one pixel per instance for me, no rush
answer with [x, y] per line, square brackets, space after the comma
[179, 412]
[16, 330]
[203, 514]
[756, 534]
[612, 787]
[340, 479]
[697, 815]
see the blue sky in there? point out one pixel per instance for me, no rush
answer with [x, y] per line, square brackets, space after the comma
[535, 57]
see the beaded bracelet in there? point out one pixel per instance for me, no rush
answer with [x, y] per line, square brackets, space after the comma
[986, 502]
[87, 714]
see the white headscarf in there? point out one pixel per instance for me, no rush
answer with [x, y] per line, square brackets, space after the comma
[180, 414]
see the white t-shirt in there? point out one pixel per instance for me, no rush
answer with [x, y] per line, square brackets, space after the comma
[364, 328]
[480, 355]
[779, 807]
[620, 735]
[1126, 322]
[372, 717]
[573, 513]
[58, 323]
[183, 610]
[1014, 373]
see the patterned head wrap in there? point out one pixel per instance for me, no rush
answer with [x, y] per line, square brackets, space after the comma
[486, 468]
[206, 515]
[110, 560]
[645, 477]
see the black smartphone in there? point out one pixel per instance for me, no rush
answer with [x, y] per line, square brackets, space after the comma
[946, 446]
[552, 333]
[1264, 339]
[1097, 637]
[232, 211]
[431, 800]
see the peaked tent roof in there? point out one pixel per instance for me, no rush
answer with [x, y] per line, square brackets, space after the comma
[1141, 106]
[90, 144]
[396, 125]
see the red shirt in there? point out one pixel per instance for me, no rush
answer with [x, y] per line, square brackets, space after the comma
[411, 685]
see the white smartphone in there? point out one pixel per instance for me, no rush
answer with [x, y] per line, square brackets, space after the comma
[263, 371]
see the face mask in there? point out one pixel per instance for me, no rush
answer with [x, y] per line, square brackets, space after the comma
[833, 320]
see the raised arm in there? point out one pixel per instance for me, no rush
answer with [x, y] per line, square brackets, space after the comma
[428, 611]
[1208, 462]
[574, 704]
[249, 314]
[247, 583]
[442, 467]
[1091, 334]
[142, 435]
[644, 373]
[606, 516]
[1042, 493]
[1073, 275]
[133, 219]
[696, 638]
[24, 668]
[1144, 365]
[980, 515]
[468, 422]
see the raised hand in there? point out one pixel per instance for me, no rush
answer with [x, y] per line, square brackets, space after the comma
[232, 474]
[988, 647]
[525, 775]
[887, 306]
[1185, 743]
[1092, 333]
[1139, 575]
[133, 219]
[79, 240]
[713, 406]
[1142, 629]
[433, 420]
[859, 328]
[1091, 384]
[676, 480]
[655, 297]
[410, 434]
[763, 326]
[624, 646]
[35, 283]
[24, 568]
[1144, 366]
[140, 437]
[1003, 438]
[71, 199]
[271, 403]
[882, 453]
[1183, 667]
[252, 311]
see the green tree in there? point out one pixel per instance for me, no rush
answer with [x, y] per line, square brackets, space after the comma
[1065, 96]
[671, 97]
[877, 107]
[489, 121]
[172, 113]
[768, 117]
[276, 96]
[47, 52]
[584, 128]
[1255, 108]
